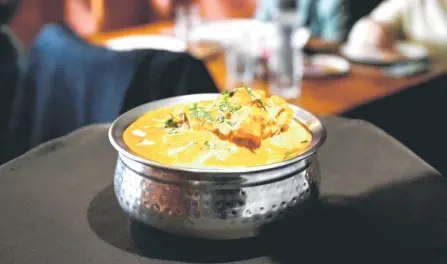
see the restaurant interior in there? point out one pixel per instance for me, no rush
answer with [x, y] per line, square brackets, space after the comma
[365, 78]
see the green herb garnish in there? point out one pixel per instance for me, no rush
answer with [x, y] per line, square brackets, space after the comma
[200, 113]
[234, 108]
[256, 98]
[221, 119]
[207, 144]
[225, 104]
[171, 123]
[226, 94]
[304, 141]
[173, 131]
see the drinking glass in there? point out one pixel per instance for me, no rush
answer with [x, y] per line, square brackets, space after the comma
[238, 70]
[285, 75]
[187, 16]
[241, 56]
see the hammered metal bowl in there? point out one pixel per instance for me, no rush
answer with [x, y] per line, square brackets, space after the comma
[219, 203]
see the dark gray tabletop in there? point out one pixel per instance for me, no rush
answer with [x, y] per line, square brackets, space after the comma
[380, 204]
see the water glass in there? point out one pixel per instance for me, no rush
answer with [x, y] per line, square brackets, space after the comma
[186, 18]
[240, 62]
[285, 75]
[238, 69]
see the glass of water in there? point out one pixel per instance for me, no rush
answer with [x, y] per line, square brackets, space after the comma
[187, 17]
[242, 55]
[285, 71]
[239, 72]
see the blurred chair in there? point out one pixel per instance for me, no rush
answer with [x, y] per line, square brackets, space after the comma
[69, 83]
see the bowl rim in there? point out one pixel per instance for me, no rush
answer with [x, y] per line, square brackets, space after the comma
[117, 128]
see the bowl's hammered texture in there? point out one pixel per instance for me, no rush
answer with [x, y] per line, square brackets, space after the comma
[213, 213]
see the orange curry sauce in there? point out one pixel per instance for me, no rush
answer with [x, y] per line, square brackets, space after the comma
[242, 128]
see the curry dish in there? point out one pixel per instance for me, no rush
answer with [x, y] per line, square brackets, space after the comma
[241, 128]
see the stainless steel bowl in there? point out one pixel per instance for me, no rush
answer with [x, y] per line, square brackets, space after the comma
[213, 203]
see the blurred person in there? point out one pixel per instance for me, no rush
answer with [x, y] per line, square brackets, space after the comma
[10, 50]
[92, 16]
[220, 9]
[420, 21]
[31, 15]
[210, 9]
[327, 20]
[10, 55]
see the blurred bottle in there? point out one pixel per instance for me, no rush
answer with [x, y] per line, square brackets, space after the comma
[285, 21]
[285, 60]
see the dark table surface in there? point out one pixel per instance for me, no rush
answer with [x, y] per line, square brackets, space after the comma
[380, 204]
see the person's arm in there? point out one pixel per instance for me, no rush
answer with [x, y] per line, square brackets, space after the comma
[161, 9]
[383, 25]
[335, 19]
[92, 16]
[265, 9]
[390, 13]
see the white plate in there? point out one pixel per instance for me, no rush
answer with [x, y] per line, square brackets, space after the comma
[325, 66]
[225, 32]
[406, 50]
[146, 42]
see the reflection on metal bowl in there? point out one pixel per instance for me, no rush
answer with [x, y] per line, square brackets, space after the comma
[213, 203]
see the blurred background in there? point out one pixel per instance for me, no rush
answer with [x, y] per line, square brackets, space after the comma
[378, 60]
[93, 16]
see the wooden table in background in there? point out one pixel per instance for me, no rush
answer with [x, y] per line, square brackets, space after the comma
[320, 96]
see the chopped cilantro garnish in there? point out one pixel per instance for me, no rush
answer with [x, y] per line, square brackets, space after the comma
[304, 141]
[207, 144]
[221, 119]
[256, 98]
[234, 108]
[227, 94]
[171, 123]
[200, 113]
[224, 105]
[173, 131]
